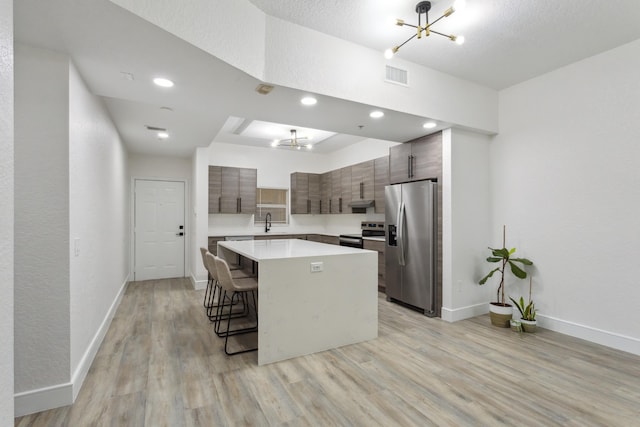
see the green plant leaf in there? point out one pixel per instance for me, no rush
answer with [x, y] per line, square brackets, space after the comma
[494, 259]
[517, 271]
[502, 253]
[512, 251]
[518, 305]
[522, 260]
[485, 278]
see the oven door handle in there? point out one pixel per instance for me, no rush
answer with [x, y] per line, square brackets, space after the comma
[351, 240]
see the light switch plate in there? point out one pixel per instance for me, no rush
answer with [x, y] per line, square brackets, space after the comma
[316, 267]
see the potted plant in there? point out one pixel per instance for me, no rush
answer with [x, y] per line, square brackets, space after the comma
[501, 311]
[527, 313]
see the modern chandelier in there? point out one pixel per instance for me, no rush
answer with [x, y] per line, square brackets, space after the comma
[423, 7]
[292, 142]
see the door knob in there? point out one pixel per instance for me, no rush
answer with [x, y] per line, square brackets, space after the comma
[180, 234]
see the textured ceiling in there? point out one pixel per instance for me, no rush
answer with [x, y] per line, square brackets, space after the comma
[507, 41]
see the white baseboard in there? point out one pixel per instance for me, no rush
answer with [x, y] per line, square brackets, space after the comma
[598, 336]
[32, 401]
[198, 284]
[454, 315]
[42, 399]
[87, 359]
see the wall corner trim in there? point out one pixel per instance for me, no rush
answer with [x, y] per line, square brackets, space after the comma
[456, 314]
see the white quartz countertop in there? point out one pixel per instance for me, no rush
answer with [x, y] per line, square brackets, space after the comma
[259, 250]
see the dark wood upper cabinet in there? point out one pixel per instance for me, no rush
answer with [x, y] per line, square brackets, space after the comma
[232, 190]
[335, 202]
[345, 198]
[305, 193]
[381, 180]
[215, 189]
[325, 192]
[416, 160]
[362, 181]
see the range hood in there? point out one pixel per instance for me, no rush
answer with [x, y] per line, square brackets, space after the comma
[360, 206]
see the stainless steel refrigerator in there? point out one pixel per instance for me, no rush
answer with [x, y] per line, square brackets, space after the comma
[410, 249]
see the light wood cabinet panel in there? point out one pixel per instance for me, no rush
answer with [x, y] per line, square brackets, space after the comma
[362, 181]
[381, 180]
[215, 189]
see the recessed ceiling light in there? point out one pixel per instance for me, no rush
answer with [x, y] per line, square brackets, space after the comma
[429, 125]
[376, 114]
[162, 82]
[163, 135]
[308, 100]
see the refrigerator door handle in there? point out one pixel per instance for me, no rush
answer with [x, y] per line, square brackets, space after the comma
[400, 222]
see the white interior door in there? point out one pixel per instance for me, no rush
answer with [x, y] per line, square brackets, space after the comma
[159, 229]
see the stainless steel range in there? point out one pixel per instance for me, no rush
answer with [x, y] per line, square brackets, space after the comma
[369, 229]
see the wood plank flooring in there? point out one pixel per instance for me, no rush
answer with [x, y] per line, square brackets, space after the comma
[161, 365]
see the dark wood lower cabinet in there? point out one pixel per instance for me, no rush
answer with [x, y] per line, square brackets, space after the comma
[378, 246]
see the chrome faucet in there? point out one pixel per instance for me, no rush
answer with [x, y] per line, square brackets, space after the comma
[267, 222]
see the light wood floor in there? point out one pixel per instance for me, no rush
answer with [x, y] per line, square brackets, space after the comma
[161, 365]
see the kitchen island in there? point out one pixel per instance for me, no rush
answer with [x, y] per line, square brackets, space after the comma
[311, 296]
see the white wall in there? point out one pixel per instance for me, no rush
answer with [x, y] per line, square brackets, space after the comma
[566, 182]
[41, 299]
[99, 220]
[6, 212]
[148, 166]
[466, 218]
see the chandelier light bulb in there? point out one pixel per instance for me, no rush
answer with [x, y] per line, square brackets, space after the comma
[388, 53]
[459, 40]
[308, 146]
[274, 143]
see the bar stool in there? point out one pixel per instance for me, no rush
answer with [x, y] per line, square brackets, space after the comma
[232, 291]
[210, 284]
[212, 306]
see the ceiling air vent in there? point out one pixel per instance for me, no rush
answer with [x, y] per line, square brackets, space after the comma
[396, 75]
